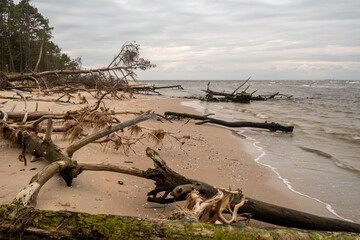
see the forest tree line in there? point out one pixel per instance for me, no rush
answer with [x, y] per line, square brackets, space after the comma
[25, 41]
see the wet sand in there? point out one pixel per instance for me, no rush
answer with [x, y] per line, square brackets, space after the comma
[212, 154]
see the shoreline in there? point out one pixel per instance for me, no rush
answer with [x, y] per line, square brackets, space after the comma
[287, 197]
[212, 154]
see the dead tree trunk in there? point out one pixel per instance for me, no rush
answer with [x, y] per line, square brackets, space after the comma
[120, 69]
[270, 213]
[166, 180]
[242, 97]
[291, 218]
[271, 126]
[18, 116]
[29, 223]
[60, 159]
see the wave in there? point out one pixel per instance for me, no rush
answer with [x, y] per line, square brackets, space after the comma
[352, 139]
[337, 162]
[285, 180]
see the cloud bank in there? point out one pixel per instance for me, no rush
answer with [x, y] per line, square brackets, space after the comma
[208, 39]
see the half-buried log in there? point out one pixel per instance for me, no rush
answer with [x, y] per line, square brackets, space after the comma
[261, 211]
[30, 223]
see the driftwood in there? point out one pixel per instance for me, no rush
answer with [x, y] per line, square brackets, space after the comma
[18, 116]
[120, 69]
[174, 186]
[211, 210]
[205, 119]
[268, 97]
[29, 223]
[153, 88]
[60, 159]
[169, 185]
[240, 97]
[166, 180]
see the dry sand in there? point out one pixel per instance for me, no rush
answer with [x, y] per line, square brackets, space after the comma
[213, 155]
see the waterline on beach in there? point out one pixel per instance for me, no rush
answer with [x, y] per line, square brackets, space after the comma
[205, 109]
[285, 180]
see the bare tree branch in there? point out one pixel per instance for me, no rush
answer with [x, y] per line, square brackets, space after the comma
[102, 133]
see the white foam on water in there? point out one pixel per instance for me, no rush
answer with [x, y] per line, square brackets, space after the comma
[285, 180]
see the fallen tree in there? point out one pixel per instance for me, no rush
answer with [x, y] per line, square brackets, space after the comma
[205, 119]
[153, 88]
[239, 97]
[118, 71]
[242, 97]
[30, 223]
[60, 159]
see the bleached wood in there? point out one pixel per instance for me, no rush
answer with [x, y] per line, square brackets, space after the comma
[106, 131]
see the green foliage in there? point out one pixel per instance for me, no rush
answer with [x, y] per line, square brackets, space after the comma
[24, 34]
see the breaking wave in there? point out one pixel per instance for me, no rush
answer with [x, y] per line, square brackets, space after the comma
[336, 161]
[285, 180]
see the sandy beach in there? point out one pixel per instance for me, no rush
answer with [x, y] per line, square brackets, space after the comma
[212, 154]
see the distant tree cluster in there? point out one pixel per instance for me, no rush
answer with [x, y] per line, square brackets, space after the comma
[25, 44]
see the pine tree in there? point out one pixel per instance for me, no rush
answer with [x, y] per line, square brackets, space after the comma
[25, 40]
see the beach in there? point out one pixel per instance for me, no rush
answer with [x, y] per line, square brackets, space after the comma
[210, 153]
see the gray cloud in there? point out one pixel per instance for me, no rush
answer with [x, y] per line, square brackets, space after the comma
[208, 39]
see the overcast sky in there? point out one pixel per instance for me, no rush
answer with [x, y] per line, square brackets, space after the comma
[208, 39]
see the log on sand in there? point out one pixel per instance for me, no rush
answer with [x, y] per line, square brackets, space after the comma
[29, 223]
[205, 119]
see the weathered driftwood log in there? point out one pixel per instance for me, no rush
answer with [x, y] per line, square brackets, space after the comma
[4, 82]
[29, 223]
[260, 210]
[271, 126]
[120, 69]
[291, 218]
[25, 76]
[211, 210]
[153, 88]
[242, 97]
[60, 159]
[271, 96]
[166, 180]
[126, 61]
[18, 116]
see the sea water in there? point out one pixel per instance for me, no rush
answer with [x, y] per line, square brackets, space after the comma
[321, 158]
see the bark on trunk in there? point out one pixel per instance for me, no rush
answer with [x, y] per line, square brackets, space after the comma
[25, 76]
[18, 116]
[39, 58]
[29, 223]
[291, 218]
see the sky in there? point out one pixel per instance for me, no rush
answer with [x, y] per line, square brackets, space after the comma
[214, 40]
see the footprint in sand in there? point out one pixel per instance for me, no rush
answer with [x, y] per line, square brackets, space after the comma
[66, 204]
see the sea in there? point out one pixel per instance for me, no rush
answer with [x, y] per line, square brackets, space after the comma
[321, 158]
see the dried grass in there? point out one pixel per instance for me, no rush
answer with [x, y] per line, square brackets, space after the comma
[135, 130]
[74, 130]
